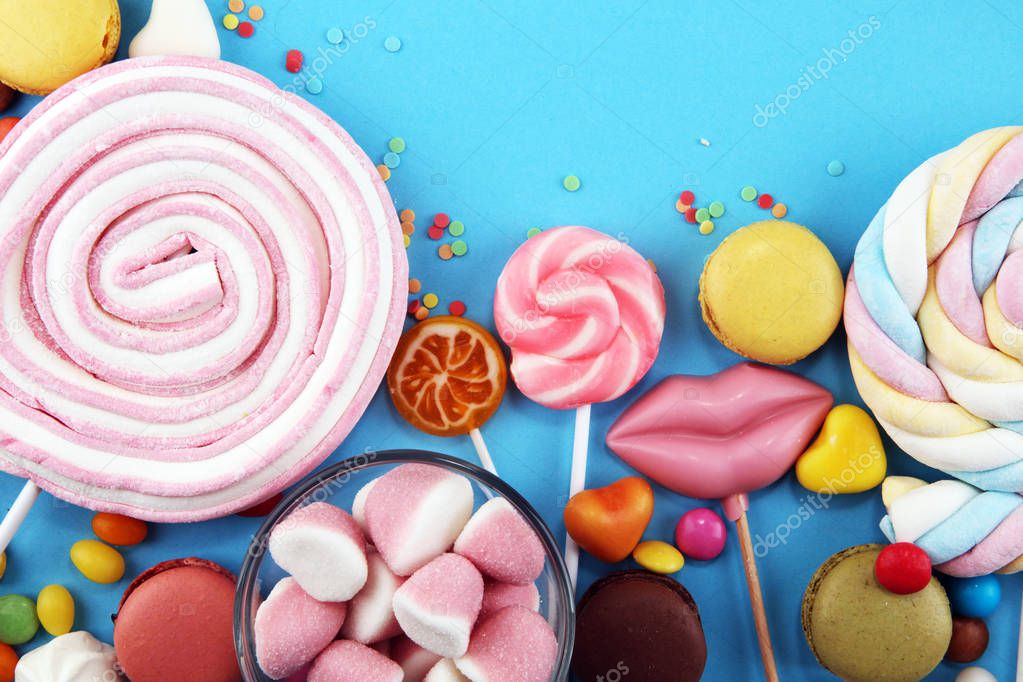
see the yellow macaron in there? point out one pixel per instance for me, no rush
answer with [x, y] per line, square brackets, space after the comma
[46, 43]
[772, 292]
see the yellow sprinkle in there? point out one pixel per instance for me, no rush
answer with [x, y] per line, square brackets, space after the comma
[230, 22]
[384, 171]
[706, 227]
[780, 210]
[255, 13]
[236, 5]
[408, 240]
[431, 301]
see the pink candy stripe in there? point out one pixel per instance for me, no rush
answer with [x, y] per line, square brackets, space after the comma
[1003, 172]
[954, 285]
[1002, 546]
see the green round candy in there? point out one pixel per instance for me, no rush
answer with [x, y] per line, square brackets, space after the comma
[18, 620]
[749, 193]
[717, 209]
[702, 215]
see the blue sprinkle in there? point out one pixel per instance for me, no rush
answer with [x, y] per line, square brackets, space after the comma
[335, 36]
[392, 44]
[836, 168]
[392, 160]
[314, 85]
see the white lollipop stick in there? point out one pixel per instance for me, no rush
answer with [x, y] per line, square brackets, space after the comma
[481, 449]
[17, 513]
[580, 449]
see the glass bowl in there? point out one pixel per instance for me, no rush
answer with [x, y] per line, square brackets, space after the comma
[337, 484]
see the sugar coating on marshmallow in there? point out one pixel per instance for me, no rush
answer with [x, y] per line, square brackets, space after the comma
[413, 659]
[322, 547]
[439, 604]
[370, 613]
[291, 628]
[501, 544]
[497, 596]
[414, 513]
[445, 671]
[513, 645]
[345, 661]
[359, 505]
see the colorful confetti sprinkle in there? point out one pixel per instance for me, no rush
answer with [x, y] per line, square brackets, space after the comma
[717, 209]
[691, 215]
[765, 201]
[572, 183]
[532, 232]
[441, 220]
[702, 215]
[836, 168]
[681, 207]
[396, 145]
[653, 266]
[236, 5]
[414, 286]
[435, 233]
[246, 30]
[687, 198]
[748, 193]
[456, 308]
[408, 240]
[392, 160]
[335, 36]
[459, 247]
[408, 227]
[704, 141]
[384, 171]
[431, 301]
[230, 22]
[413, 306]
[422, 314]
[392, 43]
[314, 86]
[256, 13]
[445, 252]
[407, 215]
[293, 61]
[706, 227]
[780, 210]
[456, 228]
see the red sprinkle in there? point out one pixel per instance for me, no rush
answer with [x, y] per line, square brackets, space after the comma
[765, 201]
[441, 220]
[435, 232]
[246, 29]
[413, 306]
[293, 63]
[691, 215]
[687, 198]
[263, 508]
[456, 308]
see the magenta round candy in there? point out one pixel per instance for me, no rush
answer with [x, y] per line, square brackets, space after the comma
[700, 534]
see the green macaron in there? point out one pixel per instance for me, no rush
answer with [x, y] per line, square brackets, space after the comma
[861, 632]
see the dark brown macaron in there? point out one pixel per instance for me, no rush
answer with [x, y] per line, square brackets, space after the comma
[640, 627]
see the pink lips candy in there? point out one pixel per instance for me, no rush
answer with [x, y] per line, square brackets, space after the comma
[722, 435]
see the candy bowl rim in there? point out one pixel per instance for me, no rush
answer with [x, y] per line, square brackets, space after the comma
[322, 481]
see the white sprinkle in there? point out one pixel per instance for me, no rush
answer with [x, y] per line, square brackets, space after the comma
[705, 142]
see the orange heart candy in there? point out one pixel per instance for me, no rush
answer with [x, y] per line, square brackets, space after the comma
[609, 522]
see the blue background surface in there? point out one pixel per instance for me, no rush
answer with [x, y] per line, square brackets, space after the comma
[499, 99]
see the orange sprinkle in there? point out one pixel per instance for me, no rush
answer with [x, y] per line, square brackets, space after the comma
[422, 313]
[653, 266]
[408, 228]
[414, 286]
[407, 216]
[384, 171]
[445, 252]
[236, 6]
[780, 210]
[681, 207]
[256, 13]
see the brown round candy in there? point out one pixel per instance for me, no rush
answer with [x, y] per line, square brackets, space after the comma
[6, 97]
[635, 625]
[969, 640]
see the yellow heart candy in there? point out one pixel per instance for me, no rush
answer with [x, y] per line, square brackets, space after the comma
[847, 457]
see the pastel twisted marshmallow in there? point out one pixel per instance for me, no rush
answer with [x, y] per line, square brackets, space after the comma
[583, 314]
[202, 284]
[934, 312]
[965, 531]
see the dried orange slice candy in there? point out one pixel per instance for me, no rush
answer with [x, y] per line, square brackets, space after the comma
[447, 376]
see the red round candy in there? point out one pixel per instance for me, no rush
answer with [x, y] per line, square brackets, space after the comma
[441, 220]
[456, 308]
[691, 215]
[435, 232]
[7, 125]
[245, 29]
[293, 63]
[687, 198]
[903, 568]
[765, 201]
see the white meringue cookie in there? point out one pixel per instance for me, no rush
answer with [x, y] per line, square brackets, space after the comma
[74, 657]
[177, 28]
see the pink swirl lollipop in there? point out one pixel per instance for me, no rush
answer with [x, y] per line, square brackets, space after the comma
[583, 314]
[202, 284]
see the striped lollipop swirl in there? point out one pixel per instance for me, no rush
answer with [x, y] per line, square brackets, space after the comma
[202, 284]
[965, 531]
[934, 312]
[583, 314]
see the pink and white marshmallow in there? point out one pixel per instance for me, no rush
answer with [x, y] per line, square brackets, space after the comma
[370, 613]
[359, 505]
[345, 661]
[499, 542]
[445, 671]
[291, 628]
[415, 512]
[322, 547]
[413, 659]
[438, 606]
[497, 596]
[513, 645]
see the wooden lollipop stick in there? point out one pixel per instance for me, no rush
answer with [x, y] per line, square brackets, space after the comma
[481, 449]
[17, 513]
[749, 562]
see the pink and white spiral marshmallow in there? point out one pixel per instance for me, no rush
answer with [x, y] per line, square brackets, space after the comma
[202, 284]
[583, 314]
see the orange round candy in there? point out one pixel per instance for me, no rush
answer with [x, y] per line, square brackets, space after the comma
[8, 662]
[448, 376]
[115, 529]
[6, 124]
